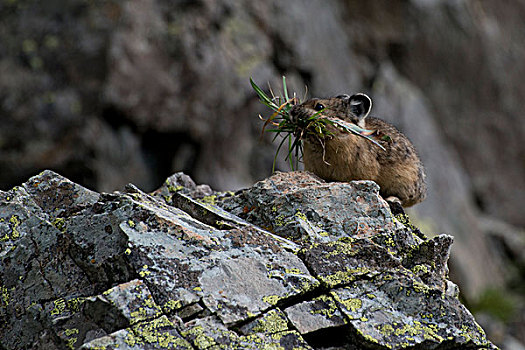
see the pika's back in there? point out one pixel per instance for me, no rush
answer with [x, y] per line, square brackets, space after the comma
[344, 156]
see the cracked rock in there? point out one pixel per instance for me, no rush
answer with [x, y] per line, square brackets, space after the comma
[130, 270]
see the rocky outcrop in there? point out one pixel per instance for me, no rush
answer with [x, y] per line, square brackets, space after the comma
[290, 263]
[108, 92]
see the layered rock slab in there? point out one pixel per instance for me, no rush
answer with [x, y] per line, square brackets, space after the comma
[174, 270]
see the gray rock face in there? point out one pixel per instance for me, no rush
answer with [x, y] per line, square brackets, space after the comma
[129, 270]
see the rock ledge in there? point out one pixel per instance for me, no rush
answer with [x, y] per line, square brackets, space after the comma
[290, 263]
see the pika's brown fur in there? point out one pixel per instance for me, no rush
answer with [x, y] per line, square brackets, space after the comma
[345, 156]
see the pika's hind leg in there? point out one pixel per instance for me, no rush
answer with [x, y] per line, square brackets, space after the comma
[395, 205]
[393, 199]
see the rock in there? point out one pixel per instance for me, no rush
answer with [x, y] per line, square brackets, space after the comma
[320, 313]
[157, 334]
[277, 205]
[130, 270]
[183, 183]
[209, 333]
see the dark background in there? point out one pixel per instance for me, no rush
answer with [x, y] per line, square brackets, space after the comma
[111, 92]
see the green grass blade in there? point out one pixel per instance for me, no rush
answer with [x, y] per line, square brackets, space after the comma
[290, 149]
[357, 130]
[277, 153]
[298, 148]
[285, 89]
[262, 96]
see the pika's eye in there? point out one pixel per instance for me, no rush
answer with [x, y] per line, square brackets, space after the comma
[319, 107]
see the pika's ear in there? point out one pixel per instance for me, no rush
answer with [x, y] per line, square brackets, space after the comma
[360, 105]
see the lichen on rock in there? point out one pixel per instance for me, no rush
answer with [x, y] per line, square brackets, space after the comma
[172, 270]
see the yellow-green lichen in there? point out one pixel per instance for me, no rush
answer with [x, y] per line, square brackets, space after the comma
[144, 271]
[171, 305]
[60, 306]
[275, 274]
[301, 216]
[419, 287]
[221, 224]
[14, 223]
[150, 303]
[71, 331]
[340, 247]
[131, 223]
[387, 277]
[211, 200]
[15, 220]
[4, 292]
[386, 329]
[60, 224]
[389, 241]
[476, 334]
[418, 269]
[344, 277]
[74, 304]
[429, 316]
[277, 340]
[270, 323]
[338, 278]
[201, 340]
[71, 341]
[352, 304]
[330, 306]
[271, 299]
[293, 271]
[152, 333]
[409, 331]
[280, 220]
[138, 315]
[306, 285]
[173, 189]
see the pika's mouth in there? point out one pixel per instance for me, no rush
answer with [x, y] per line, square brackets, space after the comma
[295, 121]
[315, 126]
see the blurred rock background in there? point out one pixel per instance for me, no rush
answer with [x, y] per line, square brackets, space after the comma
[118, 91]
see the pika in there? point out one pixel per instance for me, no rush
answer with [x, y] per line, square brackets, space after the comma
[343, 156]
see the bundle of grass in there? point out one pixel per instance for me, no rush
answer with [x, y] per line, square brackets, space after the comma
[295, 130]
